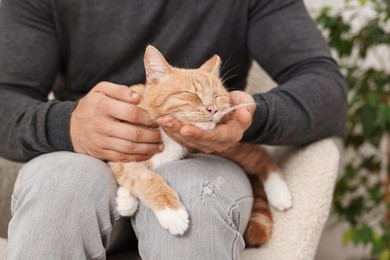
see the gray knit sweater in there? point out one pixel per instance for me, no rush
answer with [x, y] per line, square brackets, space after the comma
[83, 42]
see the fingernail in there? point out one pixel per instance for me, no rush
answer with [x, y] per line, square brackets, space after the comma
[161, 147]
[134, 95]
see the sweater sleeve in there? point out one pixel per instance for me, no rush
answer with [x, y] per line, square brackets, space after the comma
[310, 101]
[29, 60]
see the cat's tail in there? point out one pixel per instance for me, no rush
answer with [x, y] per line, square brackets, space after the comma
[259, 227]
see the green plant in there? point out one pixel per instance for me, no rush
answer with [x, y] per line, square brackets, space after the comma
[362, 194]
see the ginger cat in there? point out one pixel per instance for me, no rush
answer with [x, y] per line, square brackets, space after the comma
[198, 97]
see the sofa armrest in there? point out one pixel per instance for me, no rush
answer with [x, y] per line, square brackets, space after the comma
[8, 173]
[311, 172]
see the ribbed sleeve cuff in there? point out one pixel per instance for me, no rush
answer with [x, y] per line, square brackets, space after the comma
[58, 125]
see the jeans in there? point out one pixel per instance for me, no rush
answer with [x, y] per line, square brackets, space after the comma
[63, 207]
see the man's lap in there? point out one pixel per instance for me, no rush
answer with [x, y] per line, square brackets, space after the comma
[204, 183]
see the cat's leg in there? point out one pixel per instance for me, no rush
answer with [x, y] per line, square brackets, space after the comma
[136, 179]
[126, 204]
[277, 190]
[176, 221]
[255, 160]
[164, 201]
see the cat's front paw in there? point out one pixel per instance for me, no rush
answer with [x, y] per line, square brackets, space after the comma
[175, 220]
[126, 204]
[278, 193]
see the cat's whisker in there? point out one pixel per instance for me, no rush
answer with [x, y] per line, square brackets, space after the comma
[201, 115]
[227, 72]
[226, 62]
[198, 116]
[232, 76]
[187, 113]
[231, 109]
[185, 63]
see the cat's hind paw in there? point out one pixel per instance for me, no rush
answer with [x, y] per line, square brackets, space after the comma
[126, 204]
[174, 220]
[278, 193]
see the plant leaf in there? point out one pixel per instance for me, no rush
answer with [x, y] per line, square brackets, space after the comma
[385, 255]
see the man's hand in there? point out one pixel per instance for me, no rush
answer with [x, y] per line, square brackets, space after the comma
[108, 124]
[218, 139]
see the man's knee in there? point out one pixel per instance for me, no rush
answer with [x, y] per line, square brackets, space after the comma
[62, 198]
[218, 197]
[211, 187]
[64, 177]
[204, 176]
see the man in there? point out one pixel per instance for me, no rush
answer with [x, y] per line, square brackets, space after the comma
[63, 204]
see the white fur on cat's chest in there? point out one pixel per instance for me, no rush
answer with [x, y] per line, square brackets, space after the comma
[172, 151]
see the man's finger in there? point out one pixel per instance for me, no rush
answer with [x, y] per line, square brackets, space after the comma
[118, 92]
[187, 142]
[123, 146]
[128, 112]
[223, 133]
[170, 122]
[244, 117]
[133, 133]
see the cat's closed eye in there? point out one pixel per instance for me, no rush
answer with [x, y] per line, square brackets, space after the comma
[219, 96]
[189, 92]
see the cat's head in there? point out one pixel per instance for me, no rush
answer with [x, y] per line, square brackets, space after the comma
[193, 96]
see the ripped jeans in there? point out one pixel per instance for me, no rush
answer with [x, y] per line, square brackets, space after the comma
[64, 208]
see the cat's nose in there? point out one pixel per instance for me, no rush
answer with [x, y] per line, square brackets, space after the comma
[212, 109]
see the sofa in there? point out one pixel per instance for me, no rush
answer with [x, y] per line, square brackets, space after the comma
[311, 172]
[8, 173]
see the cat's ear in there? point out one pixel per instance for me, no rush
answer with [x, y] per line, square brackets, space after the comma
[212, 65]
[156, 66]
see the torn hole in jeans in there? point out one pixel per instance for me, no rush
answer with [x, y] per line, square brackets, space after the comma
[209, 189]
